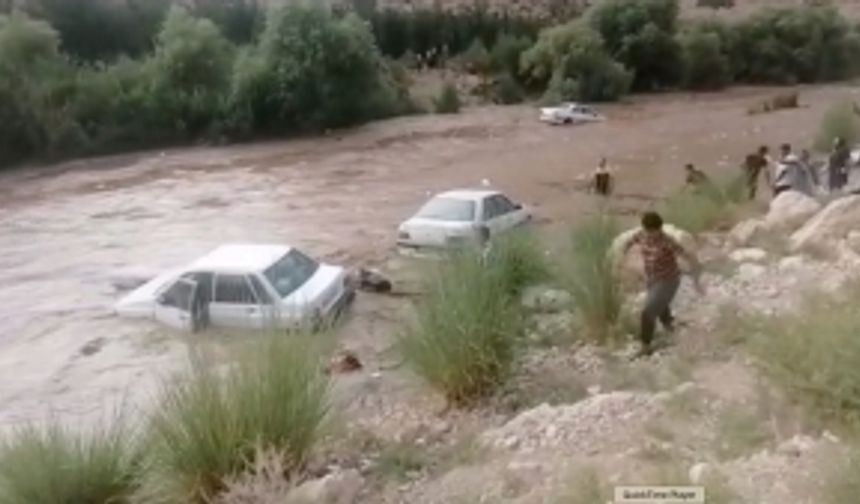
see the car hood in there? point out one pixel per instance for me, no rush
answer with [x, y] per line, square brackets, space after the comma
[141, 301]
[320, 289]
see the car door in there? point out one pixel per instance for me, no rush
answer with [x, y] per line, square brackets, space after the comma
[490, 215]
[512, 214]
[235, 303]
[173, 307]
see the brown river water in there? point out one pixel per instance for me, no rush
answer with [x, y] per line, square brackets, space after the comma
[67, 230]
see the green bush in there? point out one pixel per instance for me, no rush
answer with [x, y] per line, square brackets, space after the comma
[240, 21]
[448, 101]
[36, 85]
[840, 121]
[435, 33]
[102, 30]
[190, 74]
[462, 342]
[310, 71]
[715, 205]
[49, 465]
[706, 61]
[641, 35]
[208, 425]
[813, 353]
[520, 260]
[591, 277]
[796, 44]
[476, 59]
[507, 52]
[572, 62]
[507, 91]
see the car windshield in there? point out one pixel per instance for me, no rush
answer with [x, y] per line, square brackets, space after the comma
[291, 272]
[448, 209]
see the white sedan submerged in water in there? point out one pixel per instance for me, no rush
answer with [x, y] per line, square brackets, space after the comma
[242, 286]
[569, 113]
[461, 216]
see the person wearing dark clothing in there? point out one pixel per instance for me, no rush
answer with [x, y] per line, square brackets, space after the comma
[837, 166]
[663, 276]
[754, 165]
[695, 178]
[602, 179]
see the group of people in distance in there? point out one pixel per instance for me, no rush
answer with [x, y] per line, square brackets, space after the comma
[660, 252]
[797, 173]
[789, 172]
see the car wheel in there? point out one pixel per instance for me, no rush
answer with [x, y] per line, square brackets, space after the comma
[568, 120]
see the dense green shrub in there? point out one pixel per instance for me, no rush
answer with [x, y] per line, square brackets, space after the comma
[463, 340]
[641, 35]
[436, 33]
[190, 73]
[209, 424]
[572, 61]
[476, 59]
[507, 52]
[840, 121]
[36, 85]
[706, 59]
[519, 259]
[99, 30]
[47, 465]
[507, 91]
[239, 20]
[448, 101]
[791, 45]
[311, 70]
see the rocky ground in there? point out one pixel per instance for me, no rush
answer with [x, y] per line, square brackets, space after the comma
[579, 419]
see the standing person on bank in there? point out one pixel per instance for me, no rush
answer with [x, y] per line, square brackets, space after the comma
[755, 164]
[837, 165]
[662, 275]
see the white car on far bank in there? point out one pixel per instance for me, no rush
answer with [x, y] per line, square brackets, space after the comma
[242, 286]
[569, 113]
[457, 217]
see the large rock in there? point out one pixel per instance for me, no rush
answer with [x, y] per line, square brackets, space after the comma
[790, 210]
[746, 232]
[829, 226]
[340, 487]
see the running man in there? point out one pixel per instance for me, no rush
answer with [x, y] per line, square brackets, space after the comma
[663, 276]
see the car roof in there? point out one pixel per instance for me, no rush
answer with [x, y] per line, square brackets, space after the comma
[467, 194]
[240, 258]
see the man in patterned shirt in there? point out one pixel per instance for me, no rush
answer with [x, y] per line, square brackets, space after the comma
[663, 276]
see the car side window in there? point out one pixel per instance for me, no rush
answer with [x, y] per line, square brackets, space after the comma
[490, 211]
[234, 289]
[260, 290]
[178, 295]
[504, 205]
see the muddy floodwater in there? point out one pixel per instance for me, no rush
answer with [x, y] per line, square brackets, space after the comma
[66, 231]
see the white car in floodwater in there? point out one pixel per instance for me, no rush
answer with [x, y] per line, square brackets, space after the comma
[243, 286]
[461, 216]
[569, 113]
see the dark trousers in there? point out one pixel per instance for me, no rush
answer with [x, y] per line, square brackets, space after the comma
[752, 187]
[658, 301]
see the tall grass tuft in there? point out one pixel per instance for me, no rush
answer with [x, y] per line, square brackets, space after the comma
[592, 279]
[520, 260]
[814, 354]
[448, 101]
[209, 426]
[840, 121]
[462, 342]
[49, 465]
[715, 205]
